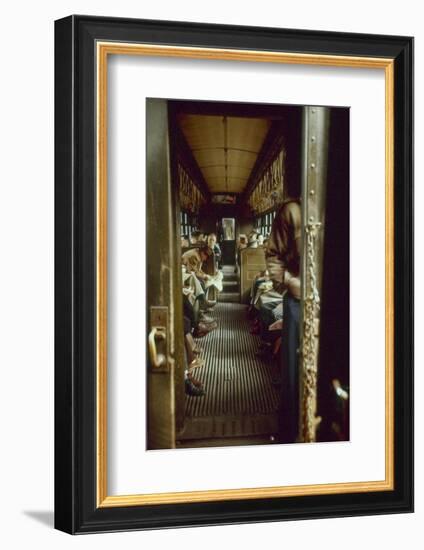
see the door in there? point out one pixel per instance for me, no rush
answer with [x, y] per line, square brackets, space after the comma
[165, 364]
[228, 244]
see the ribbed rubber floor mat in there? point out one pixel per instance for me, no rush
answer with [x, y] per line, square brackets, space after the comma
[233, 297]
[237, 382]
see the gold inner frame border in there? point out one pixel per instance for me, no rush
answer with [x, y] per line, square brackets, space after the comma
[103, 50]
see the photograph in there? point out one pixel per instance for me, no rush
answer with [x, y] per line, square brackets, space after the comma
[259, 251]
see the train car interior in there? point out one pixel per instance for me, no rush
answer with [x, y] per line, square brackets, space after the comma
[216, 331]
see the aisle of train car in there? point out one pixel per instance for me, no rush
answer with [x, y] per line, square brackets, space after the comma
[241, 401]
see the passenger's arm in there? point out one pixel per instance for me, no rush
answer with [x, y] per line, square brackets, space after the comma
[200, 274]
[276, 247]
[293, 286]
[295, 222]
[192, 265]
[286, 229]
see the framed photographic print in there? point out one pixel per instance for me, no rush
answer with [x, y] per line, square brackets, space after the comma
[233, 266]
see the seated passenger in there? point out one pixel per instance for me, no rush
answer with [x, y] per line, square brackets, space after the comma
[192, 386]
[270, 313]
[264, 310]
[216, 249]
[242, 242]
[193, 260]
[184, 241]
[258, 287]
[260, 240]
[195, 305]
[241, 245]
[253, 240]
[195, 237]
[195, 282]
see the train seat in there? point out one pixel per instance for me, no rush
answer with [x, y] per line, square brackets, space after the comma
[252, 262]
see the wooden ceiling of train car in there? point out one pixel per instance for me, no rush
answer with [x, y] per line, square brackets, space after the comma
[225, 148]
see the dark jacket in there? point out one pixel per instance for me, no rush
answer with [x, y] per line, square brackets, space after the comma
[283, 249]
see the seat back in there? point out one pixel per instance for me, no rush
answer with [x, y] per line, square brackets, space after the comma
[252, 262]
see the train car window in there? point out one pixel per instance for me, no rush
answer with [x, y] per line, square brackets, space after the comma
[187, 224]
[264, 223]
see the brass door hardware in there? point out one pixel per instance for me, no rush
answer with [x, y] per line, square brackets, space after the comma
[158, 338]
[157, 359]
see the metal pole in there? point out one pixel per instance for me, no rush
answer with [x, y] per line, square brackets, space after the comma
[314, 178]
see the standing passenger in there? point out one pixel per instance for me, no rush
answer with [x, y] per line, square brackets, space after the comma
[283, 263]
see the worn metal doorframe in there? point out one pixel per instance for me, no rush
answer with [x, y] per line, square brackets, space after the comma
[315, 129]
[164, 302]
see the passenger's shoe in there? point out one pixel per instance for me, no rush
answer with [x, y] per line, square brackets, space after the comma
[264, 352]
[192, 390]
[205, 319]
[200, 334]
[195, 382]
[202, 326]
[255, 327]
[208, 322]
[196, 363]
[251, 312]
[203, 329]
[265, 345]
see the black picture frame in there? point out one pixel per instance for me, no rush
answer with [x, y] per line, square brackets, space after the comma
[76, 508]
